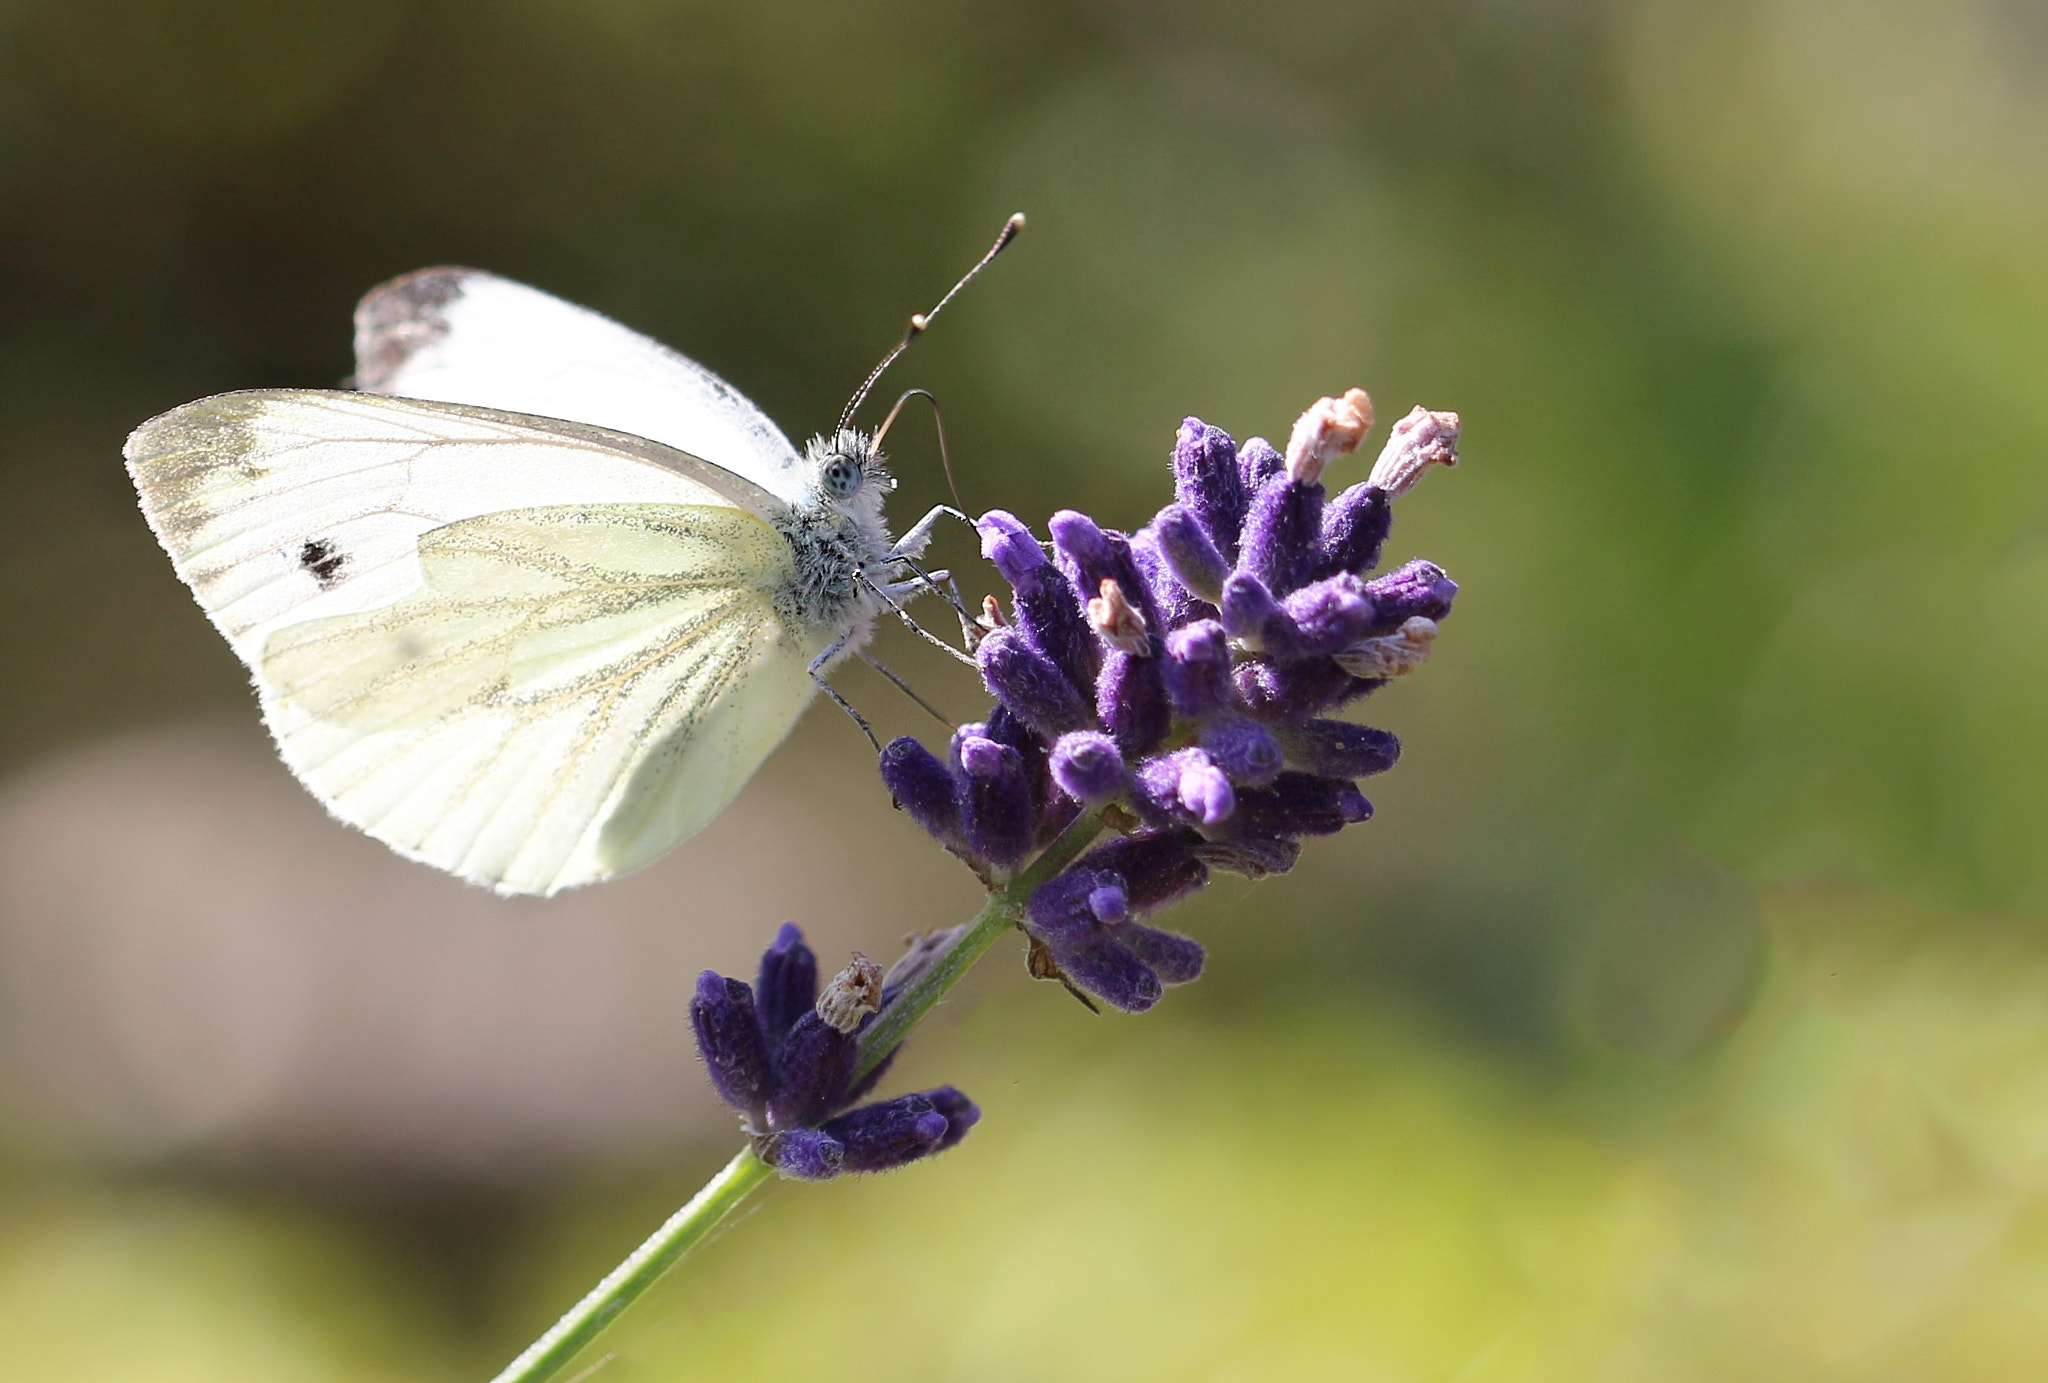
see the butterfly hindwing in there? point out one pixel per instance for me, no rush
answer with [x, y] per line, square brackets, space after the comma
[571, 691]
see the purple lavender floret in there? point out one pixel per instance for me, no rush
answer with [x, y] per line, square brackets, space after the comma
[783, 1055]
[1181, 679]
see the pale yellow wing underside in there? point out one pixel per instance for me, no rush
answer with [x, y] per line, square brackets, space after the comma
[570, 691]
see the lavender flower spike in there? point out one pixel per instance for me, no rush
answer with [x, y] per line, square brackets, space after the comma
[795, 1105]
[1212, 647]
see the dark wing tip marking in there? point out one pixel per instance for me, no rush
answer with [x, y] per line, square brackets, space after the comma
[396, 320]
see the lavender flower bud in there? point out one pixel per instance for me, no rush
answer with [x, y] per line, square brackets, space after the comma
[854, 993]
[1257, 463]
[1088, 767]
[1190, 552]
[1155, 787]
[1420, 440]
[1206, 792]
[1244, 749]
[1005, 728]
[1007, 543]
[1391, 655]
[803, 1154]
[729, 1039]
[1355, 526]
[1075, 904]
[1117, 622]
[883, 1136]
[923, 787]
[1176, 604]
[1184, 786]
[1028, 683]
[1196, 670]
[1255, 857]
[1329, 429]
[1256, 620]
[1337, 748]
[1417, 588]
[1082, 543]
[1111, 972]
[788, 983]
[1131, 700]
[1174, 958]
[996, 810]
[1283, 533]
[812, 1071]
[1292, 691]
[1206, 483]
[1156, 870]
[1299, 804]
[1095, 554]
[1048, 609]
[961, 1114]
[1328, 615]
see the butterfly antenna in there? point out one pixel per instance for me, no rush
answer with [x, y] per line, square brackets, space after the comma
[938, 421]
[919, 321]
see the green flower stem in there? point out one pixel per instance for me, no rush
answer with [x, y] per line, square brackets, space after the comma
[684, 1230]
[546, 1357]
[1004, 909]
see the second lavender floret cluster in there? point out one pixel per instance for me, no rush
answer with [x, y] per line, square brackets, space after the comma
[1182, 678]
[783, 1054]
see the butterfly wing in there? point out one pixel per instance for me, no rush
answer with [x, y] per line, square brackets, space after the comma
[570, 693]
[466, 336]
[281, 505]
[539, 695]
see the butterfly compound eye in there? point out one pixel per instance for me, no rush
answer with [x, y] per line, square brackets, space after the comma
[842, 477]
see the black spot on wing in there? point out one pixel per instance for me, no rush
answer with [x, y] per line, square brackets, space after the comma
[322, 558]
[397, 320]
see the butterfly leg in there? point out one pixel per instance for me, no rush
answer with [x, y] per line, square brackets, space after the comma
[928, 581]
[909, 691]
[934, 640]
[918, 535]
[817, 674]
[912, 545]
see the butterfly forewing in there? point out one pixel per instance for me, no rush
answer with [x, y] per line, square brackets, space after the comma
[466, 336]
[281, 505]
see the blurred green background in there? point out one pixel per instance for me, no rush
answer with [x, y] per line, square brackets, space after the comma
[1682, 1016]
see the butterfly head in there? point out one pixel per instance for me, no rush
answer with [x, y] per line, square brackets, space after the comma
[848, 472]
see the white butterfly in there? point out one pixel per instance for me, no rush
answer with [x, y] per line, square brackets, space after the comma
[535, 648]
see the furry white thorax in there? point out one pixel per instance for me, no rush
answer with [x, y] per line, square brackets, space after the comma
[837, 541]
